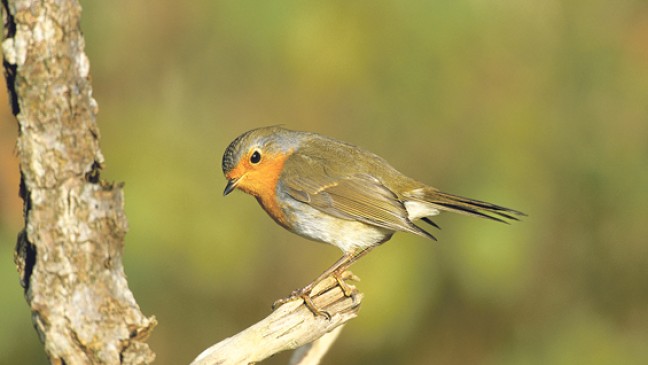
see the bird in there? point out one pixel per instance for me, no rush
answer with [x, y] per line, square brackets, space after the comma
[337, 193]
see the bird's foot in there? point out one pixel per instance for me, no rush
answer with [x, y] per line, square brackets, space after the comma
[347, 289]
[305, 295]
[314, 289]
[294, 295]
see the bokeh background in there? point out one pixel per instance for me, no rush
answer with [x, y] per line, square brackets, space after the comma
[537, 105]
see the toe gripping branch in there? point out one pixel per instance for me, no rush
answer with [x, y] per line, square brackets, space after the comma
[309, 321]
[327, 297]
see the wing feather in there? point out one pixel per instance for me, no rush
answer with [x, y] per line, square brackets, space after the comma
[358, 196]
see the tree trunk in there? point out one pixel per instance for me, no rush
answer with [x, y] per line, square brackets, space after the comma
[69, 255]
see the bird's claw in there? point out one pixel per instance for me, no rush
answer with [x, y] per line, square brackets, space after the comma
[305, 293]
[293, 296]
[308, 302]
[346, 288]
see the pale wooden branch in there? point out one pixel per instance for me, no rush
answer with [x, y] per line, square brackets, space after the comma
[312, 353]
[290, 326]
[69, 256]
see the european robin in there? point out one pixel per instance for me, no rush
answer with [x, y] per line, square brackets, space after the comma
[337, 193]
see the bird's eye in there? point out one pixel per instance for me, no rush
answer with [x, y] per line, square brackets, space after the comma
[255, 158]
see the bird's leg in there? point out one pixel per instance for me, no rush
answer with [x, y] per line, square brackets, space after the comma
[337, 273]
[304, 293]
[336, 270]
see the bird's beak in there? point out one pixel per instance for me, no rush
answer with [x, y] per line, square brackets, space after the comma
[231, 185]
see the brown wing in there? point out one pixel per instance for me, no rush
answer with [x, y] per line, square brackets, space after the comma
[358, 196]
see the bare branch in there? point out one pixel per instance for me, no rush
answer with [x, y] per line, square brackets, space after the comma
[290, 326]
[312, 353]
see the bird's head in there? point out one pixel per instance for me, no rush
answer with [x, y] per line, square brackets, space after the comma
[254, 160]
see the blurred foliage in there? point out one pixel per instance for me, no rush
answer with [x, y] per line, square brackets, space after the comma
[540, 106]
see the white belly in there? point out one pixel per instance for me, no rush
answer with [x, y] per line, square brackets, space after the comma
[348, 235]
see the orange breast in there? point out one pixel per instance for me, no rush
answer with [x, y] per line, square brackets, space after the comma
[261, 182]
[271, 206]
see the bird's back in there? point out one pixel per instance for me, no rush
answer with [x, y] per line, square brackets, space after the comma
[332, 159]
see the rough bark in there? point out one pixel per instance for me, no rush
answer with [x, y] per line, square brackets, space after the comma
[69, 255]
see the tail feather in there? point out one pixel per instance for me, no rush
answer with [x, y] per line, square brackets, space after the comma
[430, 222]
[473, 207]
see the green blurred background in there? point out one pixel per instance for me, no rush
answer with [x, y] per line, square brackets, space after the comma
[537, 105]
